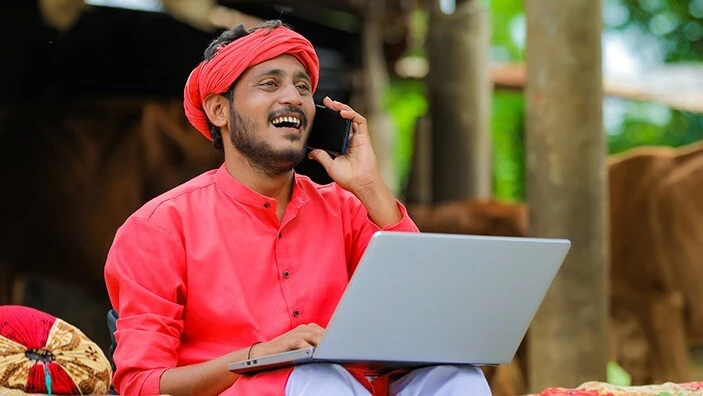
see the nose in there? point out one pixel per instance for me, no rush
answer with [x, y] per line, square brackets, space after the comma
[291, 96]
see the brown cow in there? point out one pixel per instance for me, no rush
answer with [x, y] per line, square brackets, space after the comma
[479, 217]
[656, 226]
[656, 220]
[74, 173]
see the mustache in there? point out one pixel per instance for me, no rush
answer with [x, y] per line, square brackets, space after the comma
[290, 110]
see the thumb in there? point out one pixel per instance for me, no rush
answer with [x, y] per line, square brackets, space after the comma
[322, 157]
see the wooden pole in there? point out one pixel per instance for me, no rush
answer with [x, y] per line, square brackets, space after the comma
[419, 187]
[459, 99]
[376, 78]
[566, 188]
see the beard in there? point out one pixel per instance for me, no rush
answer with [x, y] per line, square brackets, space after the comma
[258, 152]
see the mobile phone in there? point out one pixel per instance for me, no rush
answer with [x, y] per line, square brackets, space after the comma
[329, 131]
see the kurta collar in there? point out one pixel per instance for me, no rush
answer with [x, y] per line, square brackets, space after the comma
[239, 192]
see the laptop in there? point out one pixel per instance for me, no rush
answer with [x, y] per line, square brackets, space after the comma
[419, 299]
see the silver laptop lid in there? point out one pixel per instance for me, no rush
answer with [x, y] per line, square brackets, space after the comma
[442, 298]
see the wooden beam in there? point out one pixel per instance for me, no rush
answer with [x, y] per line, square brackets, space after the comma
[352, 6]
[677, 87]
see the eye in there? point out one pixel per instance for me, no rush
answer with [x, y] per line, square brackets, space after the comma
[268, 84]
[303, 87]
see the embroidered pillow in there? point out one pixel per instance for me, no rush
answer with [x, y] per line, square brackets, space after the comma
[40, 353]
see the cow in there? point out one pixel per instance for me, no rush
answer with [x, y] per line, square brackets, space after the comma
[656, 259]
[74, 173]
[482, 217]
[656, 255]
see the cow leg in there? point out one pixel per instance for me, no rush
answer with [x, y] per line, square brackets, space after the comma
[5, 283]
[506, 379]
[19, 289]
[666, 328]
[630, 346]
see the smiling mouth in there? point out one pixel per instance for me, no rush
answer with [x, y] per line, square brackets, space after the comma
[287, 122]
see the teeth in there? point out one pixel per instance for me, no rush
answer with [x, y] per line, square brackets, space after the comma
[293, 120]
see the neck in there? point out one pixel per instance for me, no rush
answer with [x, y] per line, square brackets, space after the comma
[278, 187]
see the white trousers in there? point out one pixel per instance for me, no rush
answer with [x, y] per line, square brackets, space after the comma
[331, 379]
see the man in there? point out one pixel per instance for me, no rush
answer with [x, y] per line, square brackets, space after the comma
[251, 258]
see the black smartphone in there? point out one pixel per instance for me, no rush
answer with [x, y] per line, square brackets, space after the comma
[329, 132]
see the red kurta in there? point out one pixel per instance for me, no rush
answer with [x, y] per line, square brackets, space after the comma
[206, 269]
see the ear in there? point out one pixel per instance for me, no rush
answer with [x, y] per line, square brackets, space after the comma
[217, 110]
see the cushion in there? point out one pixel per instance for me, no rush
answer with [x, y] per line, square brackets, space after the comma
[40, 353]
[596, 388]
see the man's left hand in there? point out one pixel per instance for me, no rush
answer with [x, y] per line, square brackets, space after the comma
[357, 170]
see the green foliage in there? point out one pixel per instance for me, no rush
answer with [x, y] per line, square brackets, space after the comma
[508, 111]
[406, 102]
[507, 125]
[683, 129]
[675, 26]
[504, 14]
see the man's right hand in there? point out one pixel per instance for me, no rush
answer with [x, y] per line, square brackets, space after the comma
[302, 336]
[212, 377]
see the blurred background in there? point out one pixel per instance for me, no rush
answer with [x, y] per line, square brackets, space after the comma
[92, 126]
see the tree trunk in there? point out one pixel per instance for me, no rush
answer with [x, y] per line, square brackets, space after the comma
[459, 99]
[375, 77]
[419, 187]
[566, 188]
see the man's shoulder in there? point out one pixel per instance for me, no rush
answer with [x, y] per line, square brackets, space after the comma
[176, 197]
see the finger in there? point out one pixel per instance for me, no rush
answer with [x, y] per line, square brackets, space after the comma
[313, 338]
[314, 332]
[337, 105]
[327, 101]
[302, 343]
[358, 121]
[341, 106]
[344, 109]
[310, 328]
[355, 117]
[334, 104]
[322, 157]
[315, 326]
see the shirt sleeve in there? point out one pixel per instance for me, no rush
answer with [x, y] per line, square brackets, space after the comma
[145, 278]
[362, 228]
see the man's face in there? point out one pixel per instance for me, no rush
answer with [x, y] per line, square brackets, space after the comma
[271, 114]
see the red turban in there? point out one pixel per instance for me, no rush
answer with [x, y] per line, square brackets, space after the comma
[216, 75]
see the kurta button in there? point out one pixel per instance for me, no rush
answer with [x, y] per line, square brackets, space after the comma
[280, 235]
[267, 205]
[286, 274]
[296, 313]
